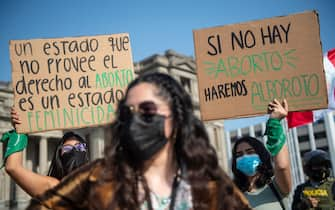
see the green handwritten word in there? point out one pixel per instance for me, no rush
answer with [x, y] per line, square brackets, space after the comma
[305, 85]
[114, 78]
[255, 63]
[69, 117]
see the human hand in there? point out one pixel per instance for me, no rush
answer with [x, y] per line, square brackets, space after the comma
[313, 201]
[278, 110]
[15, 118]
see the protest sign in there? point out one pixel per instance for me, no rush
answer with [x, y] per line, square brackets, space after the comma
[242, 67]
[69, 82]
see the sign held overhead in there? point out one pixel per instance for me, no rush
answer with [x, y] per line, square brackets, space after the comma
[242, 67]
[69, 82]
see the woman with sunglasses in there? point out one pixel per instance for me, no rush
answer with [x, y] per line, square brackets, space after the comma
[70, 154]
[160, 158]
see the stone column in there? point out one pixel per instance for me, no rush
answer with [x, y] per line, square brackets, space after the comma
[210, 132]
[228, 151]
[194, 88]
[252, 131]
[43, 156]
[97, 143]
[223, 153]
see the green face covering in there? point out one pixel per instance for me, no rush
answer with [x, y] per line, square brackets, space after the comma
[15, 143]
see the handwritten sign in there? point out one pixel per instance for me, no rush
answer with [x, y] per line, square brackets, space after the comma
[242, 67]
[69, 82]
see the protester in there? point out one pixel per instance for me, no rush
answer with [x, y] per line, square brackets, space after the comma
[160, 157]
[71, 152]
[318, 192]
[265, 186]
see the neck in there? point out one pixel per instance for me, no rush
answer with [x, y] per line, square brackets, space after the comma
[252, 182]
[160, 171]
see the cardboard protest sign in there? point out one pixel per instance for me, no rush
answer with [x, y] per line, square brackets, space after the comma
[69, 82]
[242, 67]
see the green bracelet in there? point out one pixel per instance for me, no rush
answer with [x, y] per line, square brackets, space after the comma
[276, 136]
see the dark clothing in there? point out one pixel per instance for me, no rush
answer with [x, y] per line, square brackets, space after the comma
[324, 193]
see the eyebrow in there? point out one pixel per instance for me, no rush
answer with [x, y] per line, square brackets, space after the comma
[250, 149]
[247, 150]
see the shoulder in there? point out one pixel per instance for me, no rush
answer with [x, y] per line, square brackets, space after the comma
[275, 187]
[87, 171]
[231, 189]
[331, 179]
[96, 168]
[330, 182]
[73, 190]
[52, 182]
[77, 179]
[299, 188]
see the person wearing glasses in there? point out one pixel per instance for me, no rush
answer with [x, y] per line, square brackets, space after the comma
[265, 184]
[160, 158]
[70, 153]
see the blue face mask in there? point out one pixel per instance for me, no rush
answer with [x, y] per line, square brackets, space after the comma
[248, 164]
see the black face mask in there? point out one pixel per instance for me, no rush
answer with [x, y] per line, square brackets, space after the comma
[143, 137]
[72, 160]
[319, 175]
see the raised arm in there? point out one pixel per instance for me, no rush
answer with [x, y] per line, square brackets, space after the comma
[277, 146]
[33, 183]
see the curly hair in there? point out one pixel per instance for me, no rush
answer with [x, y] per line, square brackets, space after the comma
[56, 168]
[265, 168]
[192, 149]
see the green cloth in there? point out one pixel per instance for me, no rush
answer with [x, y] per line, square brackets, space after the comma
[276, 136]
[15, 143]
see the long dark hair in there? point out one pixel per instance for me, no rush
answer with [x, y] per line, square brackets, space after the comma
[192, 148]
[265, 168]
[56, 168]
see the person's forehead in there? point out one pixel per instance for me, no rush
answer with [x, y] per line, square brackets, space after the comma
[142, 92]
[244, 146]
[71, 141]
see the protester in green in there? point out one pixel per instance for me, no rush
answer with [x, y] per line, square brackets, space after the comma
[266, 187]
[318, 192]
[70, 154]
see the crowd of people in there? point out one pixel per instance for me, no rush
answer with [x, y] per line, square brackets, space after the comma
[160, 158]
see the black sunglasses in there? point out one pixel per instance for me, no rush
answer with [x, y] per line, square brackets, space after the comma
[147, 110]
